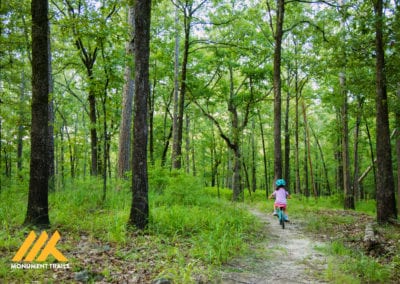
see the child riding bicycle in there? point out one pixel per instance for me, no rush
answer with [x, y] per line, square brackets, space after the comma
[281, 195]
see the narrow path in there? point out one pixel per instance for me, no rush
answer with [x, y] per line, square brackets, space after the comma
[287, 256]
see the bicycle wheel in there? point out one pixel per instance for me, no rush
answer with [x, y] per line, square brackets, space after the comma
[281, 218]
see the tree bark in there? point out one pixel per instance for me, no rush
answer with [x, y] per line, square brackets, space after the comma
[175, 124]
[253, 157]
[296, 135]
[139, 215]
[306, 180]
[50, 148]
[20, 124]
[385, 191]
[398, 149]
[356, 184]
[151, 100]
[235, 146]
[277, 89]
[264, 156]
[37, 210]
[187, 143]
[125, 133]
[348, 190]
[286, 173]
[339, 154]
[177, 145]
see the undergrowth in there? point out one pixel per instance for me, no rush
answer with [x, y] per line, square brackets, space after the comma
[342, 232]
[190, 233]
[193, 230]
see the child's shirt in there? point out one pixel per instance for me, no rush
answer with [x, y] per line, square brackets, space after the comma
[280, 196]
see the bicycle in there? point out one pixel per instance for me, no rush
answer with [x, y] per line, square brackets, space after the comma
[281, 217]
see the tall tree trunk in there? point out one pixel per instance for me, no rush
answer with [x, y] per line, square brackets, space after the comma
[398, 148]
[328, 187]
[194, 168]
[176, 144]
[20, 125]
[50, 149]
[277, 89]
[93, 131]
[398, 119]
[373, 159]
[385, 191]
[62, 158]
[235, 146]
[213, 157]
[237, 179]
[89, 58]
[306, 191]
[37, 210]
[181, 107]
[356, 184]
[187, 143]
[167, 138]
[125, 134]
[188, 11]
[105, 132]
[253, 157]
[286, 173]
[151, 119]
[348, 190]
[229, 170]
[166, 146]
[339, 154]
[139, 215]
[264, 156]
[307, 141]
[296, 136]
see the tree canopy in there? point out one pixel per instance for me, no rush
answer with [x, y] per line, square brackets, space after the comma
[261, 95]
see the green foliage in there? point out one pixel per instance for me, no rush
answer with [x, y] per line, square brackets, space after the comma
[217, 228]
[354, 267]
[190, 230]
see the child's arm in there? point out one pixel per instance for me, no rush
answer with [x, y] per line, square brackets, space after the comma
[272, 196]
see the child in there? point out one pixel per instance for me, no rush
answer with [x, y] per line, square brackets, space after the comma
[281, 195]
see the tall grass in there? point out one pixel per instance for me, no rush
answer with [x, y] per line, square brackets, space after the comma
[354, 266]
[190, 229]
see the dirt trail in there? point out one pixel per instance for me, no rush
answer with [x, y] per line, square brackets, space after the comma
[288, 256]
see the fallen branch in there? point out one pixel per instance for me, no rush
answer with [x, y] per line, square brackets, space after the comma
[369, 237]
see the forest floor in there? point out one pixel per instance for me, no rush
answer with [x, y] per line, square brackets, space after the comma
[317, 246]
[323, 246]
[284, 256]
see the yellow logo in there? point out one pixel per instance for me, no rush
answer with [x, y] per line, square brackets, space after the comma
[50, 248]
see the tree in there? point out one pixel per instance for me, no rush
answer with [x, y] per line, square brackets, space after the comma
[347, 186]
[348, 189]
[139, 215]
[385, 191]
[278, 34]
[37, 212]
[85, 28]
[189, 9]
[124, 149]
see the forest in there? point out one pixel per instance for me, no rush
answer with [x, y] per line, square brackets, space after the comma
[143, 131]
